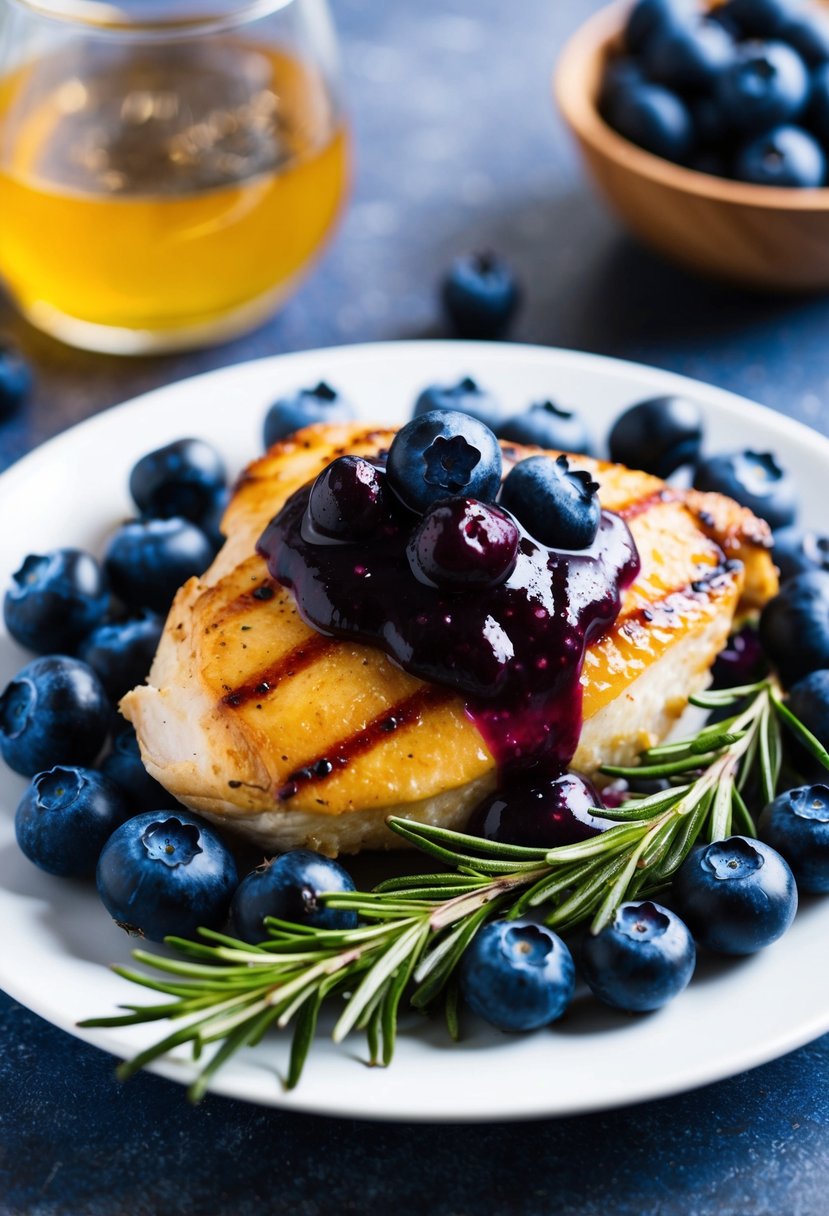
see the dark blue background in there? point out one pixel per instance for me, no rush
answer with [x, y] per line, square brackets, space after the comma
[457, 146]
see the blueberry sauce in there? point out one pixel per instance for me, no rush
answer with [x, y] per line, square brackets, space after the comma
[514, 651]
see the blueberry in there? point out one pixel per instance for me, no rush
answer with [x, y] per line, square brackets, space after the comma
[517, 975]
[688, 56]
[741, 661]
[289, 888]
[461, 543]
[808, 34]
[15, 379]
[303, 408]
[759, 18]
[465, 397]
[619, 72]
[736, 895]
[817, 115]
[540, 814]
[809, 702]
[785, 156]
[122, 651]
[753, 479]
[796, 824]
[166, 873]
[794, 626]
[654, 118]
[796, 552]
[65, 818]
[480, 295]
[767, 85]
[183, 479]
[558, 506]
[125, 767]
[640, 961]
[548, 426]
[440, 453]
[54, 711]
[346, 501]
[659, 435]
[54, 599]
[650, 17]
[148, 560]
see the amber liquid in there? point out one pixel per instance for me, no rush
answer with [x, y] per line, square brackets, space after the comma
[159, 201]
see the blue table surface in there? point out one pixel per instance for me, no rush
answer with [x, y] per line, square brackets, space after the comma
[457, 147]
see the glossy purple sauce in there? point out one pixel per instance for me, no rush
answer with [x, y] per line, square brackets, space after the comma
[514, 652]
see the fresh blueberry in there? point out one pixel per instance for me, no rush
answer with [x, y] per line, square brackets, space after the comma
[809, 702]
[540, 814]
[465, 397]
[797, 552]
[54, 599]
[640, 961]
[794, 626]
[620, 72]
[650, 17]
[125, 767]
[559, 506]
[808, 34]
[517, 975]
[441, 453]
[767, 85]
[166, 873]
[547, 425]
[15, 379]
[461, 543]
[54, 711]
[818, 113]
[741, 661]
[796, 824]
[148, 560]
[688, 56]
[753, 479]
[346, 501]
[654, 118]
[289, 888]
[65, 818]
[785, 156]
[480, 295]
[183, 479]
[736, 895]
[122, 651]
[303, 408]
[659, 435]
[759, 18]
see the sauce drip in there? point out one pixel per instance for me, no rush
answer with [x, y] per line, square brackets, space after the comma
[514, 652]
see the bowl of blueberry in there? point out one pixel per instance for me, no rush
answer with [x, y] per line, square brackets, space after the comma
[706, 128]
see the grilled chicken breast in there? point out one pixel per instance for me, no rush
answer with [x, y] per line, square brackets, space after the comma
[248, 713]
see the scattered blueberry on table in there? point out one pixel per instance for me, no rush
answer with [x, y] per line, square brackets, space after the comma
[480, 295]
[739, 91]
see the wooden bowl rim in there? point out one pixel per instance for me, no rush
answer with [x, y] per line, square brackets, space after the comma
[579, 55]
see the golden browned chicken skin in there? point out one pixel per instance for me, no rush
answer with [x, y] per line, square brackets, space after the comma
[243, 694]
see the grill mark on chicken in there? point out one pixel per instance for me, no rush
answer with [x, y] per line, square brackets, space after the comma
[268, 680]
[339, 754]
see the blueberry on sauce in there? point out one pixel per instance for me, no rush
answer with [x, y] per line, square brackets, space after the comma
[540, 813]
[462, 543]
[346, 501]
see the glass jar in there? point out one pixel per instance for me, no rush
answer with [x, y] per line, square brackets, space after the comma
[168, 168]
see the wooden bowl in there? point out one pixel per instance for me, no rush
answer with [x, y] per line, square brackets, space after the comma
[767, 237]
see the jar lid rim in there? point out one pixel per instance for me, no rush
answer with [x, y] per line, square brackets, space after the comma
[155, 16]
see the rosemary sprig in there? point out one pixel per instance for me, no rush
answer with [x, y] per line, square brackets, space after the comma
[414, 930]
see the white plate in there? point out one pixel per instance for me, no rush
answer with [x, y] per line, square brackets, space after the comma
[57, 940]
